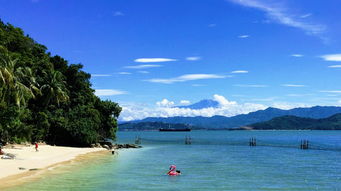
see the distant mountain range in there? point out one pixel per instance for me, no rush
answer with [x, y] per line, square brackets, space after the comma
[220, 122]
[141, 126]
[294, 123]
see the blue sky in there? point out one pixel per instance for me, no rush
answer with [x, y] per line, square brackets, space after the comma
[151, 55]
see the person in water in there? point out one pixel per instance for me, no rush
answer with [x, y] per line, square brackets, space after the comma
[172, 171]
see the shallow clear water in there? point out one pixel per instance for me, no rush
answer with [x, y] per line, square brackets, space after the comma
[216, 160]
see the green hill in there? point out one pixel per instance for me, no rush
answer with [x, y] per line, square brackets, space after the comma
[299, 123]
[45, 98]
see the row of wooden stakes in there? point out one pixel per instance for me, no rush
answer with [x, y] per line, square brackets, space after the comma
[252, 142]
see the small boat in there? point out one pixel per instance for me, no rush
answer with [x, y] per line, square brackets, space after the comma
[173, 129]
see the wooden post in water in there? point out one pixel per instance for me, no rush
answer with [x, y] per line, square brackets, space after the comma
[188, 140]
[252, 142]
[304, 144]
[137, 140]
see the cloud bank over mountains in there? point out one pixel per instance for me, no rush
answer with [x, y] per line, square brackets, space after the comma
[166, 108]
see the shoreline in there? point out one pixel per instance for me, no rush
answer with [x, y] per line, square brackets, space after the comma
[42, 162]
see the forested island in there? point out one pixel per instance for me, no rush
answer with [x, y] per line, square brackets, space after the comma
[45, 98]
[298, 123]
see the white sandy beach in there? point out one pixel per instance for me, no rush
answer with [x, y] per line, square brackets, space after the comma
[28, 158]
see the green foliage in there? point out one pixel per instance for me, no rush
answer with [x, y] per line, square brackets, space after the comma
[108, 109]
[53, 88]
[44, 98]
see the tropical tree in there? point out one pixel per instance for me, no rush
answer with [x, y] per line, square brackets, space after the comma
[17, 86]
[17, 83]
[53, 89]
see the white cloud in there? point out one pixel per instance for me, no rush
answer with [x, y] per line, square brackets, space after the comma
[149, 60]
[286, 106]
[280, 14]
[339, 102]
[187, 77]
[100, 75]
[297, 55]
[251, 85]
[143, 66]
[295, 95]
[332, 95]
[165, 103]
[266, 99]
[298, 95]
[239, 72]
[124, 73]
[331, 91]
[226, 108]
[143, 72]
[222, 100]
[306, 15]
[193, 58]
[109, 92]
[198, 85]
[244, 36]
[118, 13]
[185, 102]
[332, 57]
[334, 66]
[293, 85]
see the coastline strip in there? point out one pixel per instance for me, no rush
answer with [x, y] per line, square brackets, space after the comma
[48, 157]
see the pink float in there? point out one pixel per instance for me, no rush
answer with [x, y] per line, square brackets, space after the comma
[172, 171]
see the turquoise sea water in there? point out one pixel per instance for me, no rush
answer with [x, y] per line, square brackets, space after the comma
[216, 160]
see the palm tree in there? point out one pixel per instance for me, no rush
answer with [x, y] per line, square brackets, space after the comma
[16, 83]
[53, 89]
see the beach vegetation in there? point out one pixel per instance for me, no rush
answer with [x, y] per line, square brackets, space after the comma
[45, 98]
